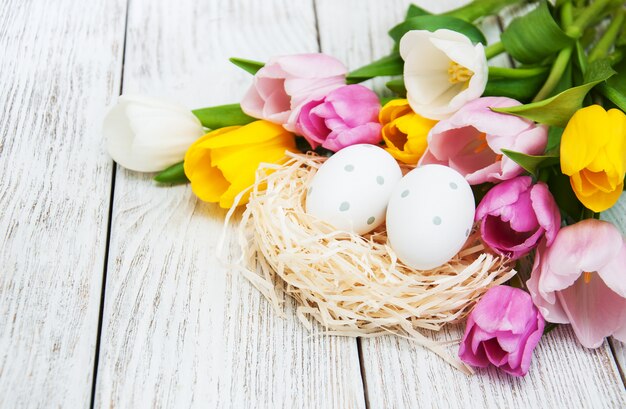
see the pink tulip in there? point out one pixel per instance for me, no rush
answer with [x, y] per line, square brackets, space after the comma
[471, 141]
[581, 279]
[346, 116]
[503, 329]
[516, 214]
[285, 83]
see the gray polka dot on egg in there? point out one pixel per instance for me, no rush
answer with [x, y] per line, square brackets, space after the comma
[344, 206]
[404, 193]
[371, 220]
[349, 168]
[380, 180]
[436, 220]
[453, 186]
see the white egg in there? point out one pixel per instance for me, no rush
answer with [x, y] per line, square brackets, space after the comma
[430, 215]
[350, 191]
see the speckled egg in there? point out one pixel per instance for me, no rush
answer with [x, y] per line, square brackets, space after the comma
[350, 191]
[429, 216]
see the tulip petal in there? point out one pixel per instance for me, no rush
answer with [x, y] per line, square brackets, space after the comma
[595, 311]
[578, 149]
[546, 302]
[546, 211]
[614, 273]
[586, 246]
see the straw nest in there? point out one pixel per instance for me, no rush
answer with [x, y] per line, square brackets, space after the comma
[353, 285]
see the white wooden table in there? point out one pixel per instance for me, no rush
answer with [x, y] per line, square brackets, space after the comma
[111, 294]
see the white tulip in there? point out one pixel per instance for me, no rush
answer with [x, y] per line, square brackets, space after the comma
[443, 70]
[149, 135]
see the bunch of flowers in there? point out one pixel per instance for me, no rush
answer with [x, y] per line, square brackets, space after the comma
[543, 146]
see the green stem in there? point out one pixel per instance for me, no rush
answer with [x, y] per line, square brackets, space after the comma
[558, 68]
[503, 72]
[586, 17]
[477, 9]
[605, 43]
[494, 49]
[567, 16]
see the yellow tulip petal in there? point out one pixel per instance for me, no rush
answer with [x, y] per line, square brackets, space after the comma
[254, 132]
[209, 184]
[581, 186]
[601, 201]
[598, 179]
[585, 134]
[616, 146]
[393, 109]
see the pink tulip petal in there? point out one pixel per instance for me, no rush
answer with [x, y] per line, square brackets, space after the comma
[548, 304]
[595, 311]
[312, 65]
[366, 133]
[502, 195]
[546, 211]
[355, 104]
[585, 246]
[614, 273]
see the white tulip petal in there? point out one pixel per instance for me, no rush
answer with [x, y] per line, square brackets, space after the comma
[148, 135]
[428, 56]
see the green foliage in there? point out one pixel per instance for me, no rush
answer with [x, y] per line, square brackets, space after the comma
[175, 174]
[386, 66]
[531, 163]
[557, 110]
[535, 36]
[433, 23]
[222, 116]
[247, 65]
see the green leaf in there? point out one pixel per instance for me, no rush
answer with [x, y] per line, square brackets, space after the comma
[433, 23]
[222, 115]
[250, 66]
[615, 87]
[531, 163]
[521, 89]
[554, 139]
[397, 86]
[175, 174]
[614, 95]
[386, 66]
[415, 11]
[534, 36]
[557, 110]
[565, 198]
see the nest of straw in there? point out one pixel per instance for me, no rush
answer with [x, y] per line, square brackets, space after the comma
[353, 285]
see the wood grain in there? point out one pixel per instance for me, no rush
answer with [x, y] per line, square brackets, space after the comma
[399, 374]
[59, 68]
[617, 216]
[181, 329]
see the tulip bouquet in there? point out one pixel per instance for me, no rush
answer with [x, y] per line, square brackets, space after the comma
[542, 145]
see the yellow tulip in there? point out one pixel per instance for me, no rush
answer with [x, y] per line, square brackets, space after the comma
[404, 131]
[593, 155]
[223, 163]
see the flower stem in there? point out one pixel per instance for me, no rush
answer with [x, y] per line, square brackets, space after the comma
[503, 72]
[605, 43]
[494, 49]
[478, 9]
[586, 17]
[556, 72]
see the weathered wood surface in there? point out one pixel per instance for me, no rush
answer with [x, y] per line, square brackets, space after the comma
[180, 329]
[59, 67]
[398, 373]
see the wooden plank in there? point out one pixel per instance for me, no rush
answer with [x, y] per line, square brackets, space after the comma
[617, 216]
[180, 329]
[402, 375]
[59, 68]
